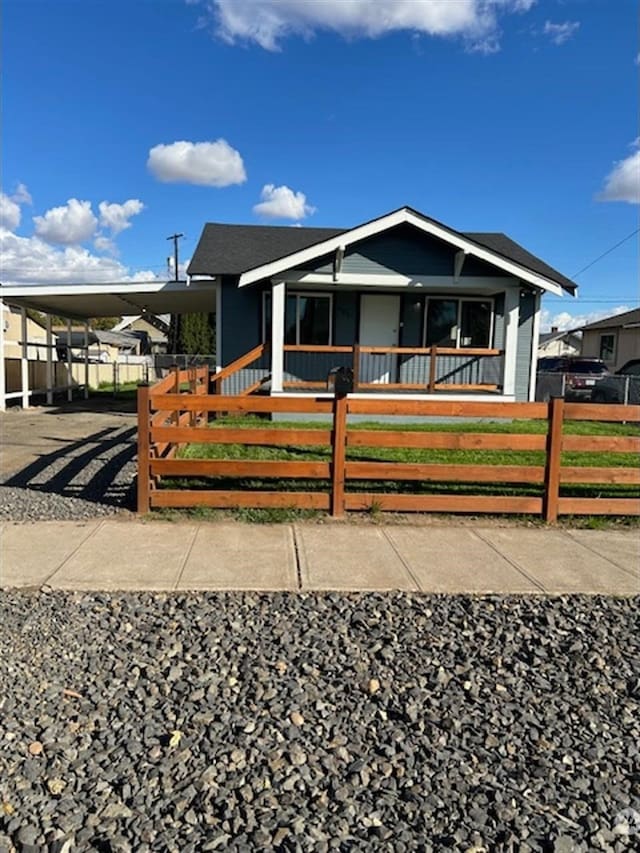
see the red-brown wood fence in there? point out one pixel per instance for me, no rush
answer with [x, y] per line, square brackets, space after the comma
[173, 413]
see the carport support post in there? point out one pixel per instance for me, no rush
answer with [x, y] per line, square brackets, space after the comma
[50, 382]
[86, 360]
[3, 382]
[69, 374]
[24, 359]
[339, 442]
[554, 458]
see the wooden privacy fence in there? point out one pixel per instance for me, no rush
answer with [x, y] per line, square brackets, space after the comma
[173, 414]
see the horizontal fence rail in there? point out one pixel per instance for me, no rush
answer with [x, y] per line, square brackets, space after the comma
[351, 473]
[404, 369]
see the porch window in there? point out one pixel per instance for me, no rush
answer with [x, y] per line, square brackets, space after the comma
[458, 323]
[607, 347]
[307, 318]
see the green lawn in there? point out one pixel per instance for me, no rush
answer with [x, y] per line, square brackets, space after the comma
[405, 455]
[417, 455]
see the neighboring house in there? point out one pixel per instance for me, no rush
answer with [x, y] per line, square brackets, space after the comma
[556, 342]
[412, 305]
[102, 346]
[153, 327]
[36, 336]
[615, 340]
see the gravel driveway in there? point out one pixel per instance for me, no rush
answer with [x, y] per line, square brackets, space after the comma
[69, 463]
[249, 722]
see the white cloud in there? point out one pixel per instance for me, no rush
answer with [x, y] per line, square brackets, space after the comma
[10, 213]
[105, 244]
[22, 195]
[560, 33]
[268, 23]
[564, 321]
[30, 260]
[116, 216]
[623, 182]
[68, 224]
[209, 164]
[282, 203]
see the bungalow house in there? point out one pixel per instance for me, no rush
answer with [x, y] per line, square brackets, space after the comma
[615, 340]
[558, 342]
[412, 306]
[152, 328]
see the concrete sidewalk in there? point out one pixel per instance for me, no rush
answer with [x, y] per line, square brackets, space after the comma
[163, 556]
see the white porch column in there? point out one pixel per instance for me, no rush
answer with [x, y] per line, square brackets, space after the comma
[218, 352]
[511, 318]
[50, 379]
[278, 291]
[70, 375]
[86, 359]
[3, 384]
[24, 359]
[535, 335]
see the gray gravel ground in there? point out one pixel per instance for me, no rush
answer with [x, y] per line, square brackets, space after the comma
[93, 476]
[139, 722]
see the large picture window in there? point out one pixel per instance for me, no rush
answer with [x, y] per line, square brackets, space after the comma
[307, 319]
[458, 323]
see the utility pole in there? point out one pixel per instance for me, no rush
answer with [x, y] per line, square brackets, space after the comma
[175, 238]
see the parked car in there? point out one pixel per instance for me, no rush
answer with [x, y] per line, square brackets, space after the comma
[571, 377]
[621, 386]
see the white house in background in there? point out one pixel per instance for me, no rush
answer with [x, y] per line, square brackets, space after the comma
[615, 340]
[558, 342]
[154, 326]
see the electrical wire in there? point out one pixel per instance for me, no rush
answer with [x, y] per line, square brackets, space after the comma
[604, 254]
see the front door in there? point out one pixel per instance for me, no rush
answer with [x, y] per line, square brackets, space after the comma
[379, 326]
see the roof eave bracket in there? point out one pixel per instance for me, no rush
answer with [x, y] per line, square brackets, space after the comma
[337, 263]
[458, 262]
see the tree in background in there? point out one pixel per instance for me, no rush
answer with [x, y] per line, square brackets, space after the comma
[193, 334]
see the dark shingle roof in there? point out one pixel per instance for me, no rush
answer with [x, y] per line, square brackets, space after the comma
[629, 318]
[234, 249]
[508, 248]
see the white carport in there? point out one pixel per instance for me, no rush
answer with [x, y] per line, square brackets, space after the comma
[78, 302]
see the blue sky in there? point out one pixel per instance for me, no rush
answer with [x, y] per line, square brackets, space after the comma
[125, 121]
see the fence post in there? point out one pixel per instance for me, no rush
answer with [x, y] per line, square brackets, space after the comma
[432, 368]
[144, 448]
[553, 461]
[339, 449]
[356, 366]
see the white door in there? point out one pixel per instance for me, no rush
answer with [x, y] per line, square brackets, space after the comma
[379, 327]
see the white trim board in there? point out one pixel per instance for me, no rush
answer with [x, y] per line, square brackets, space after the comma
[391, 220]
[393, 280]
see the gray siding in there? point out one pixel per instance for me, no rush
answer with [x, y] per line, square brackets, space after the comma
[241, 319]
[525, 335]
[498, 321]
[404, 251]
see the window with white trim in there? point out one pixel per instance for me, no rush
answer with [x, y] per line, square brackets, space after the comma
[307, 318]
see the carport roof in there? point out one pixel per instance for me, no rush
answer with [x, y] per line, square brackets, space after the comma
[114, 299]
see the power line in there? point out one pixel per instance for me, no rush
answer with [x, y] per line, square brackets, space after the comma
[599, 258]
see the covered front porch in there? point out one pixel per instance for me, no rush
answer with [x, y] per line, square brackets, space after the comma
[409, 341]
